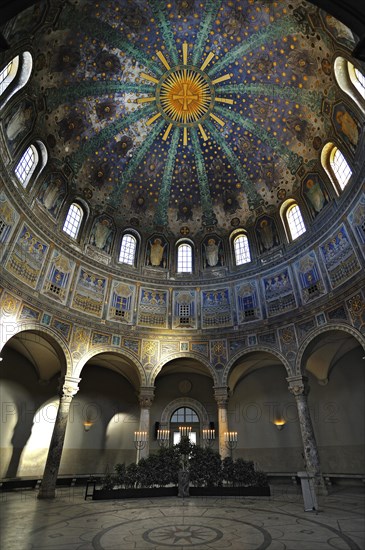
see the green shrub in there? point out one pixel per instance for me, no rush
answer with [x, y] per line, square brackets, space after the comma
[205, 467]
[228, 470]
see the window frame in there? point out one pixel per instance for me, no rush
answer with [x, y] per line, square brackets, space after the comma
[136, 241]
[285, 209]
[235, 238]
[327, 158]
[20, 79]
[179, 246]
[79, 208]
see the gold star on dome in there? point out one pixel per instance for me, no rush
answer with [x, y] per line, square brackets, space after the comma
[185, 95]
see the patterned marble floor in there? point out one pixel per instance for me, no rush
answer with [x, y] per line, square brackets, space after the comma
[276, 523]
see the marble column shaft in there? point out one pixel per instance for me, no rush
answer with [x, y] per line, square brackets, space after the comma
[146, 396]
[221, 397]
[299, 388]
[48, 486]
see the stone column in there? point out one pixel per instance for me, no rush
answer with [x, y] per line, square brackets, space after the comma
[146, 396]
[48, 486]
[221, 397]
[298, 386]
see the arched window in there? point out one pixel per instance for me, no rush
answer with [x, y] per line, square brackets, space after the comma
[128, 249]
[184, 258]
[295, 221]
[341, 169]
[358, 80]
[184, 415]
[26, 166]
[8, 73]
[31, 163]
[241, 249]
[14, 76]
[73, 220]
[336, 166]
[351, 80]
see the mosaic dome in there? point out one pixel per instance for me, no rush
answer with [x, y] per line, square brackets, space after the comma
[184, 116]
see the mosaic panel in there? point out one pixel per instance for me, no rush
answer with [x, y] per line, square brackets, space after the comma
[339, 258]
[309, 278]
[98, 338]
[357, 222]
[152, 310]
[62, 327]
[279, 293]
[8, 220]
[58, 279]
[216, 308]
[89, 293]
[30, 313]
[184, 309]
[121, 305]
[27, 257]
[248, 307]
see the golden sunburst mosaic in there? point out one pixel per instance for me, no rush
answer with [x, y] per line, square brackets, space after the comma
[185, 95]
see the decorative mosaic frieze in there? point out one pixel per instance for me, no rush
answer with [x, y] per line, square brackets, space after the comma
[339, 258]
[216, 308]
[184, 309]
[279, 293]
[89, 293]
[152, 309]
[27, 257]
[58, 278]
[121, 305]
[248, 307]
[309, 278]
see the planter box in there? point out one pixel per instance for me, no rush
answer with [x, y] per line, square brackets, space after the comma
[152, 492]
[230, 491]
[148, 492]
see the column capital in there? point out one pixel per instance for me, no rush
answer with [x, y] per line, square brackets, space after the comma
[146, 396]
[221, 395]
[70, 386]
[298, 385]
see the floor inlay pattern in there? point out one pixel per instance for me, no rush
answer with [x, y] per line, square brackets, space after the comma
[275, 523]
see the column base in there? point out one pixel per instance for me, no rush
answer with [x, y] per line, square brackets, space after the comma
[46, 493]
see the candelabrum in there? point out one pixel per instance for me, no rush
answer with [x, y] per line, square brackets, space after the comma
[140, 440]
[185, 431]
[163, 437]
[231, 439]
[208, 437]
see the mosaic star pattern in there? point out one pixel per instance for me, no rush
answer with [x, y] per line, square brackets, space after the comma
[214, 106]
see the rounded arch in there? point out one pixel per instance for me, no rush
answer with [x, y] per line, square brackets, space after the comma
[135, 364]
[183, 355]
[185, 402]
[299, 367]
[18, 75]
[48, 334]
[253, 349]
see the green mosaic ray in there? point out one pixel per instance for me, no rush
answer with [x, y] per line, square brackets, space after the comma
[134, 162]
[77, 159]
[73, 92]
[211, 8]
[164, 195]
[292, 159]
[159, 10]
[73, 19]
[206, 199]
[253, 197]
[276, 30]
[309, 98]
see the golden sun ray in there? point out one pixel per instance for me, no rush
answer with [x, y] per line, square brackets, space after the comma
[149, 77]
[145, 99]
[207, 60]
[163, 60]
[221, 78]
[217, 119]
[152, 119]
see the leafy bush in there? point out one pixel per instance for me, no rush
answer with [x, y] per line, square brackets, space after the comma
[205, 467]
[228, 470]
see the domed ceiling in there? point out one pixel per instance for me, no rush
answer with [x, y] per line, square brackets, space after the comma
[185, 115]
